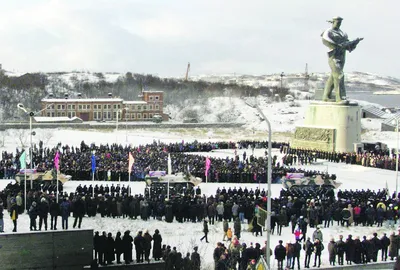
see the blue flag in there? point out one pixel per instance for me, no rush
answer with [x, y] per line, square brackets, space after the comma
[93, 163]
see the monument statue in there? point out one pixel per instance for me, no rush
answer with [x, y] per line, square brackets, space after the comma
[338, 43]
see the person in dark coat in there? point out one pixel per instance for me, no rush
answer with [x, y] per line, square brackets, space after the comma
[340, 248]
[349, 250]
[318, 248]
[127, 247]
[195, 258]
[280, 254]
[102, 248]
[79, 212]
[147, 245]
[296, 254]
[358, 250]
[376, 244]
[157, 239]
[33, 213]
[1, 216]
[237, 227]
[205, 230]
[54, 213]
[187, 263]
[385, 242]
[119, 247]
[110, 249]
[65, 210]
[139, 246]
[43, 213]
[96, 243]
[308, 247]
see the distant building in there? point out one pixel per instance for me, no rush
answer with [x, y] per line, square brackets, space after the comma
[105, 109]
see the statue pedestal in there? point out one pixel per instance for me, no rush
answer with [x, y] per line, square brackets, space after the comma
[329, 126]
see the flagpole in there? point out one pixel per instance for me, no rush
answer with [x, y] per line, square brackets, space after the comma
[25, 188]
[93, 183]
[57, 186]
[129, 181]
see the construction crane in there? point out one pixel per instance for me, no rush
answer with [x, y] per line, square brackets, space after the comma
[187, 72]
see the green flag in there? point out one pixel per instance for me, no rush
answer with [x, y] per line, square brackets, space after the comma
[22, 160]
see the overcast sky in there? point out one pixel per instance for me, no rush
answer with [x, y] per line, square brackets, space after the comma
[215, 36]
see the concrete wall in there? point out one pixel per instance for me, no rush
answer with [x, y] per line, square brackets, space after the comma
[384, 265]
[46, 250]
[140, 266]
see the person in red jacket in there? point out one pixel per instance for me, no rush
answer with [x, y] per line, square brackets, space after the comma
[357, 212]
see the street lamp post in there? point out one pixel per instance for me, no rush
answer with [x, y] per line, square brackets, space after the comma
[269, 179]
[282, 74]
[31, 114]
[397, 156]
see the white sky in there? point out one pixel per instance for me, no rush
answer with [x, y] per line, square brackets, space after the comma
[160, 37]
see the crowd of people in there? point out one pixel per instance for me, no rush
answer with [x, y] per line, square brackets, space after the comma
[110, 250]
[112, 161]
[375, 159]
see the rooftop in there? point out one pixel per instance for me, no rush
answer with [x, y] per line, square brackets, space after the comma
[83, 100]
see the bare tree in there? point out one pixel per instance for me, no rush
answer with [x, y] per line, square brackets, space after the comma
[21, 137]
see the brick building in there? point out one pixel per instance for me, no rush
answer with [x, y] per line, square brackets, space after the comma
[99, 109]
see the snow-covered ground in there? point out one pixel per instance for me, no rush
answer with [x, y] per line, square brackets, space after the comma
[187, 235]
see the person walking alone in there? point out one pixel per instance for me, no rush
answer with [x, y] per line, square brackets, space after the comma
[205, 230]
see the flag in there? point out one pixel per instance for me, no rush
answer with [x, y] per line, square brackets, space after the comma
[93, 163]
[22, 160]
[131, 162]
[208, 164]
[57, 161]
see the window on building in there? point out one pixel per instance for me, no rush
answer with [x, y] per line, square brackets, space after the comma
[58, 107]
[58, 114]
[105, 106]
[150, 115]
[80, 107]
[69, 106]
[88, 106]
[115, 115]
[157, 97]
[156, 107]
[139, 115]
[144, 108]
[48, 114]
[150, 107]
[115, 106]
[109, 106]
[145, 116]
[109, 115]
[133, 115]
[95, 106]
[139, 108]
[151, 98]
[73, 107]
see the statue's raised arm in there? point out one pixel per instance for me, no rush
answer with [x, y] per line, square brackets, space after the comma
[338, 43]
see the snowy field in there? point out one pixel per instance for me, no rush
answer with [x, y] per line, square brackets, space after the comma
[187, 235]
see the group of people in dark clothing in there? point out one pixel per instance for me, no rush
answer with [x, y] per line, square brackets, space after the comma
[112, 161]
[108, 250]
[376, 159]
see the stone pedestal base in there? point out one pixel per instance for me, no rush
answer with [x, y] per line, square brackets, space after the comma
[329, 126]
